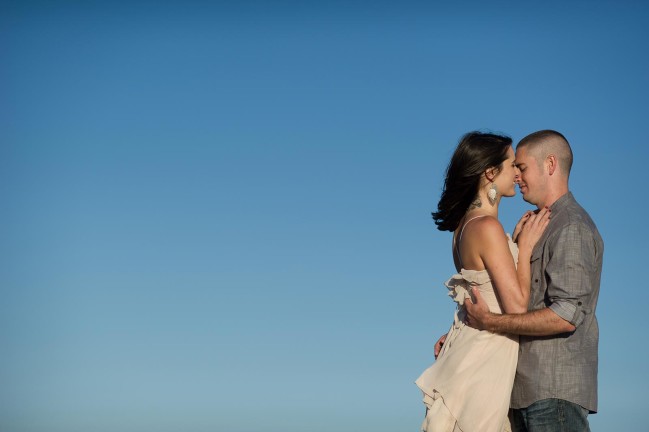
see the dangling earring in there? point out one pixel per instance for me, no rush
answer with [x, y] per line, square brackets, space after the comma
[492, 194]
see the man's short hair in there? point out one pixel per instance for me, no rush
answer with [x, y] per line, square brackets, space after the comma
[546, 142]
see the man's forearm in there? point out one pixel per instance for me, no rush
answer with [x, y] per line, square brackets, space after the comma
[543, 322]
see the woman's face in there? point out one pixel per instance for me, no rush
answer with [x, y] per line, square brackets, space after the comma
[505, 179]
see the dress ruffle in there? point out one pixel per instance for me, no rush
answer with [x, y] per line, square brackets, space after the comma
[460, 283]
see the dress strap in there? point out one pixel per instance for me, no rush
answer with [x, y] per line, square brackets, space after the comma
[459, 238]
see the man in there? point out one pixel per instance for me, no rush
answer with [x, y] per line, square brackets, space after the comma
[556, 379]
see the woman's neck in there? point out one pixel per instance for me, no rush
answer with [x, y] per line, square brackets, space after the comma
[482, 206]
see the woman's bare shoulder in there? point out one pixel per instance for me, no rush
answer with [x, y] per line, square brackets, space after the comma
[485, 225]
[486, 230]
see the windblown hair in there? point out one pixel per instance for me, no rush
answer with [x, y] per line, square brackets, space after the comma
[475, 153]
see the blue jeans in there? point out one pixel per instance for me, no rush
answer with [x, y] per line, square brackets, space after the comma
[551, 415]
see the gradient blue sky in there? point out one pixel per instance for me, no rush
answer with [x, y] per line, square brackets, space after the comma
[215, 216]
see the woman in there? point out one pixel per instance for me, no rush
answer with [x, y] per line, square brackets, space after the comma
[468, 388]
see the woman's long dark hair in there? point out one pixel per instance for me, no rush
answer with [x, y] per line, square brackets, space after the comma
[475, 153]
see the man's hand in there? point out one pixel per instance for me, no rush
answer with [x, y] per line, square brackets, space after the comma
[438, 345]
[477, 312]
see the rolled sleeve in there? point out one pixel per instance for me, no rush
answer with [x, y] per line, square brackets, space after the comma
[569, 271]
[564, 309]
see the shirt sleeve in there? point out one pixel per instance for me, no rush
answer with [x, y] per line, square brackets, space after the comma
[568, 271]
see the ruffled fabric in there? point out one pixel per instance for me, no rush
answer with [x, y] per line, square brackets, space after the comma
[459, 284]
[459, 289]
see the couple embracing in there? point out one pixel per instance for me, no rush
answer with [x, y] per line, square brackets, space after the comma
[524, 335]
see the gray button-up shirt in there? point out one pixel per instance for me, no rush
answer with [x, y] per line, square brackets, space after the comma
[566, 266]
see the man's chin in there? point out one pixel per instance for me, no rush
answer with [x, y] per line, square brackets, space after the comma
[526, 198]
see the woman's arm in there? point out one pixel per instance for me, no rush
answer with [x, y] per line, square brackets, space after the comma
[490, 245]
[499, 263]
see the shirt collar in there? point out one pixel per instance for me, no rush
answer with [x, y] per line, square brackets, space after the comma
[562, 201]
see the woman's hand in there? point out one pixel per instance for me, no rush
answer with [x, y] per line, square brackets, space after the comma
[532, 228]
[438, 345]
[519, 225]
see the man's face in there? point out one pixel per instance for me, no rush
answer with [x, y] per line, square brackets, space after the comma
[531, 179]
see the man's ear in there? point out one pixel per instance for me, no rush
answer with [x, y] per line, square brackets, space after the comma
[552, 163]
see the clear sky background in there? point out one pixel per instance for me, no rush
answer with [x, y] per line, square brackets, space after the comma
[215, 216]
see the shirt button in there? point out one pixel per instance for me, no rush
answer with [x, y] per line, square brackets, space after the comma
[578, 303]
[536, 281]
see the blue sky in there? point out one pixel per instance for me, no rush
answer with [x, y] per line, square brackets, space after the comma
[216, 215]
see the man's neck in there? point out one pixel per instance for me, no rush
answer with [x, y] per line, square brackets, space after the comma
[553, 197]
